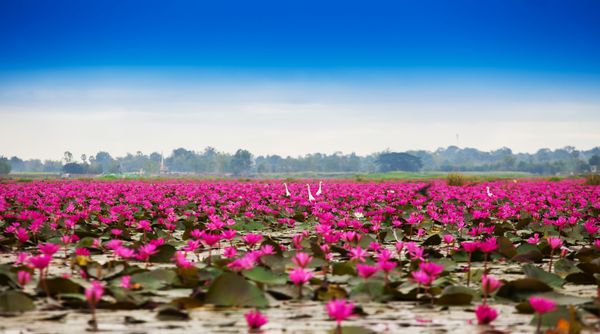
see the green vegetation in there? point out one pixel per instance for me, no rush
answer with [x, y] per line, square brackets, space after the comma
[455, 179]
[592, 179]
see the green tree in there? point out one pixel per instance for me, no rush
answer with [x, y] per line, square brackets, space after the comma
[5, 166]
[241, 162]
[595, 161]
[74, 168]
[398, 161]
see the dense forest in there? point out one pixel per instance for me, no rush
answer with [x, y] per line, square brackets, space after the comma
[566, 160]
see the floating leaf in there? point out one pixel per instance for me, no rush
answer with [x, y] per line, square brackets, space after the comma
[231, 289]
[265, 276]
[433, 240]
[155, 279]
[531, 256]
[343, 268]
[551, 319]
[129, 320]
[60, 285]
[275, 262]
[331, 291]
[581, 278]
[532, 271]
[456, 295]
[187, 303]
[371, 290]
[164, 254]
[506, 248]
[15, 301]
[171, 313]
[352, 330]
[564, 267]
[520, 289]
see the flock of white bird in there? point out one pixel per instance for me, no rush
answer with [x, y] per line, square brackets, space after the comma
[311, 198]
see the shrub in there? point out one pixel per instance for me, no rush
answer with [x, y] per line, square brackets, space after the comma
[455, 179]
[592, 180]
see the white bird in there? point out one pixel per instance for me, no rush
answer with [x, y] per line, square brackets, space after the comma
[320, 190]
[310, 196]
[287, 191]
[487, 190]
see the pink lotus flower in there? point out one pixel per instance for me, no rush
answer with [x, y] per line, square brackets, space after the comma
[22, 235]
[49, 248]
[255, 319]
[94, 293]
[357, 253]
[125, 282]
[554, 242]
[365, 271]
[229, 252]
[339, 310]
[82, 252]
[302, 259]
[470, 246]
[386, 266]
[145, 251]
[300, 276]
[40, 261]
[252, 239]
[267, 250]
[448, 238]
[181, 261]
[23, 277]
[422, 277]
[542, 305]
[489, 284]
[485, 314]
[432, 269]
[534, 240]
[125, 252]
[488, 245]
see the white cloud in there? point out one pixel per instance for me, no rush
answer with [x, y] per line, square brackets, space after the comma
[44, 120]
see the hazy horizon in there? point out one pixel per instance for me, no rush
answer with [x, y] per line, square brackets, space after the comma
[297, 78]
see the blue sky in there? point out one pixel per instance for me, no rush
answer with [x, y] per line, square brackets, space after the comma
[294, 77]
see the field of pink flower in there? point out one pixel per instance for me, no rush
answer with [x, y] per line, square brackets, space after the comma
[302, 257]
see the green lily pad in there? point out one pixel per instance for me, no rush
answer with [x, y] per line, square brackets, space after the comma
[60, 285]
[550, 319]
[456, 295]
[506, 248]
[164, 255]
[332, 291]
[530, 256]
[169, 312]
[520, 289]
[15, 301]
[581, 278]
[155, 279]
[564, 267]
[532, 271]
[265, 276]
[343, 268]
[231, 289]
[352, 330]
[371, 290]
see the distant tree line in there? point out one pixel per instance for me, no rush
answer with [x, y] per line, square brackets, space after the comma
[242, 162]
